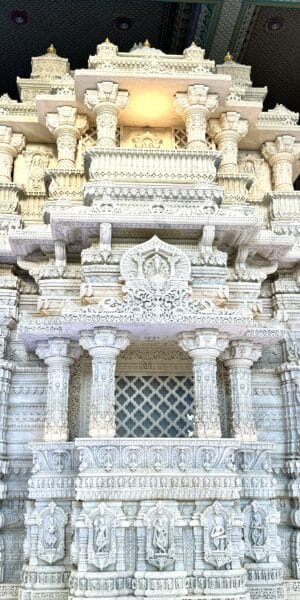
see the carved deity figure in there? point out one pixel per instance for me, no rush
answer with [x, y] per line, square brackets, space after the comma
[160, 535]
[156, 269]
[101, 534]
[257, 528]
[50, 533]
[218, 533]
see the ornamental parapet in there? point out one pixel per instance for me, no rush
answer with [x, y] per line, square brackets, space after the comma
[124, 469]
[156, 165]
[285, 205]
[64, 183]
[53, 470]
[145, 59]
[236, 187]
[10, 194]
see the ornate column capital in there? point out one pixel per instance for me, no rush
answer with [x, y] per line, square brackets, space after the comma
[58, 355]
[67, 126]
[10, 145]
[107, 101]
[241, 353]
[103, 344]
[227, 132]
[207, 343]
[281, 155]
[195, 106]
[58, 350]
[105, 341]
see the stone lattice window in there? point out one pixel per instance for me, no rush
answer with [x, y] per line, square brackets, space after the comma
[153, 406]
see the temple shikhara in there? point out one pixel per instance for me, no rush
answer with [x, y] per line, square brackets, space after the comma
[150, 346]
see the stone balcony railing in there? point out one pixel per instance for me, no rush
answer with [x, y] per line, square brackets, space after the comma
[144, 165]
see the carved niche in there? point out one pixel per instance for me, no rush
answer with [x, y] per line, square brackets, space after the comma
[255, 532]
[102, 547]
[160, 536]
[217, 523]
[51, 537]
[156, 277]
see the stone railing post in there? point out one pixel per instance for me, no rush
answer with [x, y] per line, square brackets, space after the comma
[195, 106]
[10, 145]
[107, 101]
[239, 358]
[227, 132]
[204, 346]
[281, 156]
[58, 355]
[104, 346]
[67, 127]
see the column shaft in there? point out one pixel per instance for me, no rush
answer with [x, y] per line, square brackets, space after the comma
[104, 346]
[204, 346]
[239, 358]
[58, 355]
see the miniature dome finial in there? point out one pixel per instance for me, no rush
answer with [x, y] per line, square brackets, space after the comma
[146, 44]
[51, 49]
[228, 57]
[107, 40]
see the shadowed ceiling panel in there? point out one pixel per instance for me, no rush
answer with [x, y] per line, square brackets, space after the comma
[273, 50]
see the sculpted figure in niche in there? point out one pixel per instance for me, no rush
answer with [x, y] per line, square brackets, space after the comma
[257, 529]
[50, 534]
[218, 533]
[161, 535]
[102, 534]
[156, 269]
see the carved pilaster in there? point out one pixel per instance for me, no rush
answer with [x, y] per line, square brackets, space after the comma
[281, 156]
[239, 358]
[67, 126]
[10, 145]
[104, 346]
[107, 101]
[195, 106]
[204, 346]
[58, 355]
[227, 132]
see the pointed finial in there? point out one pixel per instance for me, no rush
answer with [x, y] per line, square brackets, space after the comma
[146, 44]
[51, 49]
[228, 57]
[194, 45]
[107, 40]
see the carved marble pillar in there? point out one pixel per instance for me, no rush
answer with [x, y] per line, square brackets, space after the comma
[289, 372]
[107, 101]
[67, 126]
[104, 346]
[239, 358]
[227, 132]
[5, 380]
[58, 355]
[281, 156]
[195, 106]
[10, 145]
[204, 346]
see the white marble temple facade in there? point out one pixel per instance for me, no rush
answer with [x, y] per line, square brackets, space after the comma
[149, 327]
